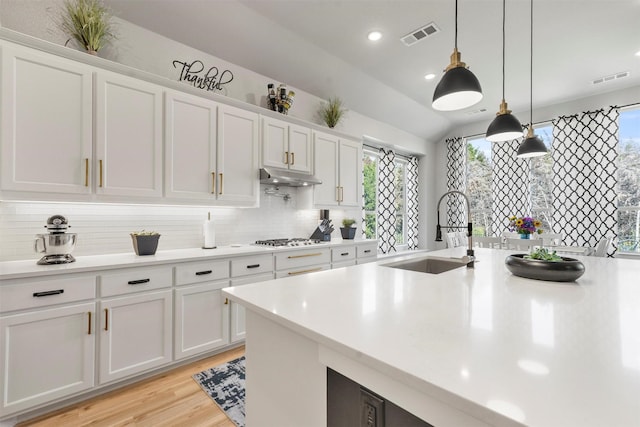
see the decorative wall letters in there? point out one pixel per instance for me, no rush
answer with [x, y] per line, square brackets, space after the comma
[194, 73]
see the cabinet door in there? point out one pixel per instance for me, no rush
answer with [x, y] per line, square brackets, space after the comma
[275, 143]
[135, 334]
[300, 148]
[128, 136]
[325, 157]
[46, 355]
[202, 319]
[350, 173]
[190, 147]
[238, 325]
[46, 123]
[238, 182]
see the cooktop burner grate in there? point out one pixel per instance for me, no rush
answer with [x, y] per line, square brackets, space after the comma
[288, 242]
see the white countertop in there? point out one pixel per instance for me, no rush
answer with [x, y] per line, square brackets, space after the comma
[541, 353]
[29, 268]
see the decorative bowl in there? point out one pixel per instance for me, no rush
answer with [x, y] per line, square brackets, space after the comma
[567, 270]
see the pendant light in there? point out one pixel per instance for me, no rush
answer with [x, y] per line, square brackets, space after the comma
[459, 88]
[505, 126]
[532, 146]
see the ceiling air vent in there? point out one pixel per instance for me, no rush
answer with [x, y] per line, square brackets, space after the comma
[610, 78]
[420, 34]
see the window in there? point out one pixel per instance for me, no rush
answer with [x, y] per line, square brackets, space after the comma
[479, 177]
[370, 182]
[629, 181]
[479, 185]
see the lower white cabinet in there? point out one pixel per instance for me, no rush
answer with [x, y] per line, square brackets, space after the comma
[238, 328]
[367, 252]
[46, 355]
[135, 334]
[201, 319]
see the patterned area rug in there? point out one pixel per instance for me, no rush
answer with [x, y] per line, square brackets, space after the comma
[225, 385]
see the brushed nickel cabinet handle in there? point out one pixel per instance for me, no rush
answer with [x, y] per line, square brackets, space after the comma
[337, 194]
[89, 324]
[86, 172]
[303, 256]
[100, 163]
[294, 273]
[286, 157]
[293, 158]
[341, 194]
[106, 319]
[221, 184]
[213, 182]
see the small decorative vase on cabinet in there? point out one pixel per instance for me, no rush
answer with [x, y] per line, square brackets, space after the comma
[348, 233]
[145, 244]
[525, 236]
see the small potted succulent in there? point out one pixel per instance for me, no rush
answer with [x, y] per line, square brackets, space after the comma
[348, 230]
[145, 242]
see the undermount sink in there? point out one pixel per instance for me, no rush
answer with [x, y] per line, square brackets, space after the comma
[429, 264]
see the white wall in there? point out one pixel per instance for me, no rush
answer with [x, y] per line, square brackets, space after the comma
[105, 228]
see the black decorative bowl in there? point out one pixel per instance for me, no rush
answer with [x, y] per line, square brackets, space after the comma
[567, 270]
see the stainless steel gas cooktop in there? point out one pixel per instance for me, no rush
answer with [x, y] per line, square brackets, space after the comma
[288, 242]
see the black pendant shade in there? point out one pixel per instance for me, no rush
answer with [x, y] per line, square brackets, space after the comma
[532, 146]
[459, 88]
[505, 127]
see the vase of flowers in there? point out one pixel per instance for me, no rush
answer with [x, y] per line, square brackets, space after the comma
[525, 226]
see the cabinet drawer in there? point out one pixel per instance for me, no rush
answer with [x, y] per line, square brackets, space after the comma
[198, 272]
[302, 270]
[366, 250]
[135, 280]
[255, 264]
[300, 258]
[343, 253]
[27, 293]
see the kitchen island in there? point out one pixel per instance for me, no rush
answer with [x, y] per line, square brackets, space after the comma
[467, 347]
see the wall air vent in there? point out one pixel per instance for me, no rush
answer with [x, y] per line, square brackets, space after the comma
[420, 34]
[610, 78]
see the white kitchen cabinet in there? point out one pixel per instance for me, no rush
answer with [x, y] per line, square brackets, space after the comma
[201, 319]
[237, 182]
[338, 164]
[135, 334]
[46, 355]
[128, 136]
[46, 132]
[366, 251]
[238, 326]
[302, 261]
[190, 147]
[285, 145]
[343, 256]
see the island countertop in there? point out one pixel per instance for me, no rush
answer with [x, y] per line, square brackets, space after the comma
[538, 353]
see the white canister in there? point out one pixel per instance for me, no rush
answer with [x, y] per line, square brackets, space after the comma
[208, 233]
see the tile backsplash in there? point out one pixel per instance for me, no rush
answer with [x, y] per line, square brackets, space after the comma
[105, 228]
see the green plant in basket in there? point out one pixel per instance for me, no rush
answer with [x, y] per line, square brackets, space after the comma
[543, 254]
[88, 22]
[332, 111]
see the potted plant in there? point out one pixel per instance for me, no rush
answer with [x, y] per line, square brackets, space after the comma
[348, 230]
[145, 242]
[88, 22]
[332, 111]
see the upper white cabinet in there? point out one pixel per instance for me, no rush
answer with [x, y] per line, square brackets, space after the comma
[128, 136]
[190, 147]
[211, 151]
[286, 146]
[46, 123]
[237, 181]
[338, 163]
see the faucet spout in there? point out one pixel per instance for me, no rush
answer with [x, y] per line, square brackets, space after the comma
[469, 226]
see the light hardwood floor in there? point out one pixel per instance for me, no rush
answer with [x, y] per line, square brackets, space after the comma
[169, 399]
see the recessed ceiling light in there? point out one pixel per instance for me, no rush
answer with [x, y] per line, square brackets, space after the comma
[430, 76]
[638, 53]
[374, 36]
